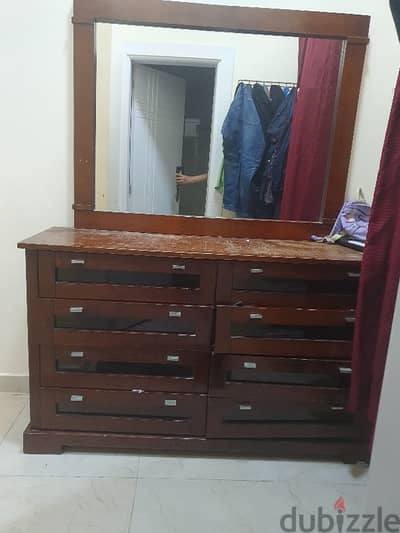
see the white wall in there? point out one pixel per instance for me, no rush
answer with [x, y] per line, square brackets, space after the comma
[36, 132]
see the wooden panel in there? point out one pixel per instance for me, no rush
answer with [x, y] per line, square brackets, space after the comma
[305, 415]
[126, 369]
[115, 411]
[173, 245]
[237, 375]
[223, 18]
[143, 279]
[116, 324]
[84, 115]
[344, 129]
[48, 441]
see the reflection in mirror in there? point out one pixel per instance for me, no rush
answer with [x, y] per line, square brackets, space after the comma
[210, 123]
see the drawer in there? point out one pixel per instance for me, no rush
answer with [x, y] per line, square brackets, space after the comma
[277, 284]
[115, 324]
[126, 369]
[234, 375]
[113, 277]
[123, 412]
[282, 412]
[255, 330]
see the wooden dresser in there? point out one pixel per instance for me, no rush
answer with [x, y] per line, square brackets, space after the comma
[190, 344]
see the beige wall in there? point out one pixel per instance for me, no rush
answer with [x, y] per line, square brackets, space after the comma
[36, 132]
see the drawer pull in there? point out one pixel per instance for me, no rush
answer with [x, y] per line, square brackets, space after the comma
[249, 364]
[255, 316]
[245, 407]
[337, 408]
[76, 309]
[173, 358]
[256, 271]
[345, 370]
[170, 403]
[76, 398]
[350, 319]
[353, 274]
[175, 314]
[178, 267]
[77, 354]
[78, 261]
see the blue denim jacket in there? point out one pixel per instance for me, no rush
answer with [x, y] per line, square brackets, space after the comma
[244, 145]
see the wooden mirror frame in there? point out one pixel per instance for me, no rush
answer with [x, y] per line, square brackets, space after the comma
[352, 29]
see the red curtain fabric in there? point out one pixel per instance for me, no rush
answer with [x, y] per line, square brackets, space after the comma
[379, 280]
[319, 63]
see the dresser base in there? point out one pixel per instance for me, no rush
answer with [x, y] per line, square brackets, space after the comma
[56, 442]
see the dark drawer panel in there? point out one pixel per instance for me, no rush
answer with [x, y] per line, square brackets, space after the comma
[252, 326]
[134, 278]
[92, 323]
[277, 284]
[170, 371]
[283, 412]
[123, 412]
[234, 375]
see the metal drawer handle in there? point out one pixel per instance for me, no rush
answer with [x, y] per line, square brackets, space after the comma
[249, 364]
[175, 314]
[78, 261]
[77, 354]
[178, 267]
[76, 398]
[173, 358]
[255, 316]
[337, 408]
[76, 309]
[256, 270]
[353, 274]
[345, 370]
[245, 407]
[350, 319]
[170, 403]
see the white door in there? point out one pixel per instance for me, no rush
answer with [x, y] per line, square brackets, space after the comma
[157, 125]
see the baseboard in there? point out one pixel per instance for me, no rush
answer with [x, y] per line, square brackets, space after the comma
[14, 383]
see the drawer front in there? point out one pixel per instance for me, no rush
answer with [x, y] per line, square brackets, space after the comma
[126, 369]
[277, 284]
[235, 375]
[112, 277]
[283, 412]
[116, 324]
[123, 412]
[251, 329]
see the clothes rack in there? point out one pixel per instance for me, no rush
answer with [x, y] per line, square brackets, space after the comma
[269, 83]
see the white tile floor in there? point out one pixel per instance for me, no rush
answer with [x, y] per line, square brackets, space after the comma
[96, 493]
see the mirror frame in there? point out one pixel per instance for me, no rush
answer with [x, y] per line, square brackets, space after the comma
[352, 29]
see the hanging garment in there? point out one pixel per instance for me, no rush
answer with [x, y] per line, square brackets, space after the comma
[319, 61]
[379, 280]
[244, 145]
[267, 184]
[277, 95]
[264, 107]
[395, 7]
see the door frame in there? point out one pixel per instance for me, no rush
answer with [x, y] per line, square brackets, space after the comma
[123, 54]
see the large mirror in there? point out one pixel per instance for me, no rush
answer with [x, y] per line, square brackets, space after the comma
[214, 124]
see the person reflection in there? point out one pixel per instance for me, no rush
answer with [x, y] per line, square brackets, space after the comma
[184, 179]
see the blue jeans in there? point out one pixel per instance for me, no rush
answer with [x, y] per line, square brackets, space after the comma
[244, 145]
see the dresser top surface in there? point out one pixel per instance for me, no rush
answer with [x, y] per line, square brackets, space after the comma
[188, 246]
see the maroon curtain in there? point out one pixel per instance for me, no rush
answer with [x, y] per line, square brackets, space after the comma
[319, 62]
[379, 280]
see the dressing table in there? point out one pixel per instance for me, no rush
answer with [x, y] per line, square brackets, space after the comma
[191, 334]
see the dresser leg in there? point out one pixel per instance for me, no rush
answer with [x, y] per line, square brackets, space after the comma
[42, 442]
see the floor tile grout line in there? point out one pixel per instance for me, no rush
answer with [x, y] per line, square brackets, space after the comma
[129, 528]
[13, 423]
